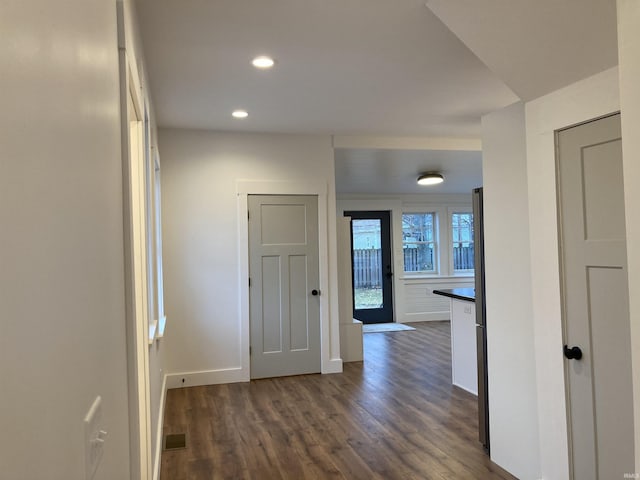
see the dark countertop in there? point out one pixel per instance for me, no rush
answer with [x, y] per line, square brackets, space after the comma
[468, 294]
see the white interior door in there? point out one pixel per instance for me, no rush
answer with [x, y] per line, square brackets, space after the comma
[596, 298]
[284, 285]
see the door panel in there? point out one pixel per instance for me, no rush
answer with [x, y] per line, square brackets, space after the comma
[372, 271]
[271, 306]
[283, 224]
[283, 268]
[595, 299]
[611, 352]
[298, 291]
[603, 218]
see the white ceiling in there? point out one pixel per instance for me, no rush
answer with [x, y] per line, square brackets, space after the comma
[385, 67]
[369, 67]
[538, 46]
[396, 171]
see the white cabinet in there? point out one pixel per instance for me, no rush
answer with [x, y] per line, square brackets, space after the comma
[351, 341]
[464, 360]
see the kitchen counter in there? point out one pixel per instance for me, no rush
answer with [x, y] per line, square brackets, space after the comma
[464, 361]
[468, 294]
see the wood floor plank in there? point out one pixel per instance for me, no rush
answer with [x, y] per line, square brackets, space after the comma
[394, 416]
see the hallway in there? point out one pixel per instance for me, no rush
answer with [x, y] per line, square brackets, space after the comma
[394, 417]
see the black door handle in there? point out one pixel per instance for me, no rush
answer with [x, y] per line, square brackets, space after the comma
[389, 274]
[315, 292]
[573, 353]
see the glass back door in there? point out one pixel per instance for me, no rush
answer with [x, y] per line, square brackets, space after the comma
[371, 266]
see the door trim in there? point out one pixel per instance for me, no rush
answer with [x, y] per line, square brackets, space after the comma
[136, 322]
[329, 315]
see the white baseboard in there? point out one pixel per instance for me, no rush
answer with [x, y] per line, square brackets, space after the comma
[207, 377]
[158, 453]
[228, 375]
[332, 366]
[426, 317]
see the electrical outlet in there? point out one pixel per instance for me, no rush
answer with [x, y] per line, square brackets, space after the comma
[467, 309]
[94, 437]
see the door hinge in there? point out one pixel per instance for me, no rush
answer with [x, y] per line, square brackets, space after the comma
[249, 350]
[249, 281]
[248, 215]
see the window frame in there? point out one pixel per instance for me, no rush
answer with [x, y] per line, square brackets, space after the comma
[436, 242]
[450, 212]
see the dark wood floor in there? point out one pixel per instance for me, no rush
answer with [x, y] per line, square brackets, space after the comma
[395, 416]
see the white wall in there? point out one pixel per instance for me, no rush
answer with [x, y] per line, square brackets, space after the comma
[584, 100]
[413, 298]
[513, 411]
[629, 54]
[61, 275]
[207, 339]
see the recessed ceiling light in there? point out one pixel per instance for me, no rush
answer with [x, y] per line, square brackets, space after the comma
[430, 178]
[263, 62]
[240, 114]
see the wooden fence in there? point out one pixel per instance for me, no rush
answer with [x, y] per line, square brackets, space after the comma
[367, 264]
[418, 259]
[463, 258]
[367, 271]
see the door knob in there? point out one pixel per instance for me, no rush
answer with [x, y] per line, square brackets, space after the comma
[573, 353]
[315, 292]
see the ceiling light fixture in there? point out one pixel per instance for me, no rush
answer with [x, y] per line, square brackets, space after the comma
[239, 114]
[263, 62]
[430, 178]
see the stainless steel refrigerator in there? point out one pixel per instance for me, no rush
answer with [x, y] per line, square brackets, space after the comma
[481, 327]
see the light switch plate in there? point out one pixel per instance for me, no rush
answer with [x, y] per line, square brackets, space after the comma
[93, 438]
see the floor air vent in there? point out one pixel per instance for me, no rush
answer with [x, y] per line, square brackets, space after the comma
[175, 441]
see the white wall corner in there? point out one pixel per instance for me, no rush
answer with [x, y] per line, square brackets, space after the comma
[629, 60]
[513, 410]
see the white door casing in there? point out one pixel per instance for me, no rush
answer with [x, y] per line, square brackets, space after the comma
[284, 285]
[595, 299]
[135, 256]
[135, 274]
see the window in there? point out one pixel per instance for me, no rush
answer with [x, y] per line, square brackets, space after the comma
[153, 235]
[155, 245]
[437, 239]
[462, 240]
[418, 242]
